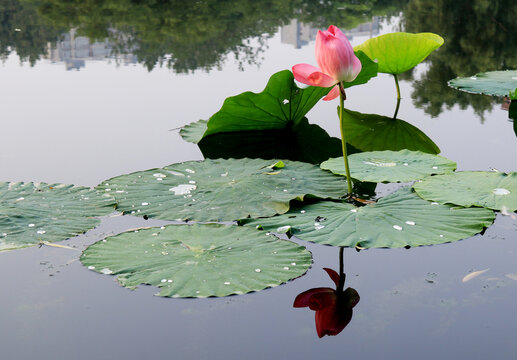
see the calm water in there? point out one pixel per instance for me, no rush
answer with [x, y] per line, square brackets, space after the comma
[77, 117]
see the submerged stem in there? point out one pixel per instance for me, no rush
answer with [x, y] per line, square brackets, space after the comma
[398, 96]
[341, 270]
[343, 138]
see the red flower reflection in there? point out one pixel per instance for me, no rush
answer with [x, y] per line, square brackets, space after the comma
[333, 307]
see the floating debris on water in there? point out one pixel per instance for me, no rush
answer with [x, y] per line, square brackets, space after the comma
[473, 275]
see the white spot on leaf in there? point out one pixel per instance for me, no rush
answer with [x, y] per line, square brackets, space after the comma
[380, 164]
[183, 189]
[501, 191]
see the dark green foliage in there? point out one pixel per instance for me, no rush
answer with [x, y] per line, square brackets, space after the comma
[479, 36]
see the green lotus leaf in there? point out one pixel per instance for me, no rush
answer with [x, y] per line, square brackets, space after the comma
[220, 190]
[512, 111]
[194, 132]
[369, 69]
[198, 260]
[371, 132]
[495, 83]
[398, 220]
[399, 52]
[491, 190]
[306, 142]
[281, 103]
[390, 166]
[31, 213]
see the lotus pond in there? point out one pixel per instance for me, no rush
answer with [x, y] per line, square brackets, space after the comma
[130, 228]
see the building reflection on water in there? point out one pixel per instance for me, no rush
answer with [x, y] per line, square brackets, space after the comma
[300, 34]
[74, 51]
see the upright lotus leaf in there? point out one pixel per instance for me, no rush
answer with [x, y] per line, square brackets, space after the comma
[198, 260]
[492, 190]
[281, 103]
[390, 166]
[194, 132]
[306, 142]
[399, 220]
[220, 190]
[512, 111]
[31, 213]
[369, 69]
[495, 83]
[399, 52]
[372, 132]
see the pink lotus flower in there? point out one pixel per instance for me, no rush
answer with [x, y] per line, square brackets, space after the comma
[333, 307]
[336, 60]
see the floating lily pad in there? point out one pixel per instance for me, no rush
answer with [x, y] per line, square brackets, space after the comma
[371, 132]
[281, 103]
[398, 220]
[390, 166]
[194, 132]
[492, 190]
[495, 83]
[220, 190]
[398, 52]
[306, 142]
[198, 260]
[34, 212]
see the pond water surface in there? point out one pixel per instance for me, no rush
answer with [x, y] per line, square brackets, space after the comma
[78, 117]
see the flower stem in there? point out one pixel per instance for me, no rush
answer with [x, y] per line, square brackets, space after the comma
[343, 138]
[398, 96]
[341, 270]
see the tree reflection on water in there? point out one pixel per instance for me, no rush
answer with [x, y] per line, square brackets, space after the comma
[478, 37]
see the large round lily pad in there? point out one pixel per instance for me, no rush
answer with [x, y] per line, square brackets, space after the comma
[221, 190]
[398, 220]
[390, 166]
[198, 260]
[495, 83]
[398, 52]
[31, 213]
[492, 190]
